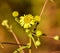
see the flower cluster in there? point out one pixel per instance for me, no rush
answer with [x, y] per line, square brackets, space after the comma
[29, 23]
[26, 21]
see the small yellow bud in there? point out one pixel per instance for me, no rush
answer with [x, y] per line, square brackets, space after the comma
[38, 33]
[5, 23]
[56, 37]
[27, 30]
[37, 43]
[15, 13]
[30, 35]
[37, 18]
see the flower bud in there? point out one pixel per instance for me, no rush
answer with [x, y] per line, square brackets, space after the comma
[37, 43]
[15, 13]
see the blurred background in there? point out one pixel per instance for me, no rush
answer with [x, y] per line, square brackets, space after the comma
[50, 24]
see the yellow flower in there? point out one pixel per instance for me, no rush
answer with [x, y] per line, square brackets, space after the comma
[37, 43]
[38, 33]
[37, 18]
[15, 13]
[56, 37]
[5, 23]
[26, 21]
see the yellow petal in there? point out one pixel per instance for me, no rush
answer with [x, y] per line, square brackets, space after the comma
[26, 26]
[21, 23]
[32, 22]
[27, 30]
[21, 20]
[29, 25]
[22, 17]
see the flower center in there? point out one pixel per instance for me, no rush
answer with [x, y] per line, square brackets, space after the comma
[27, 19]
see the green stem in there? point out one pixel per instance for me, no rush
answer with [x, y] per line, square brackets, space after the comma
[33, 41]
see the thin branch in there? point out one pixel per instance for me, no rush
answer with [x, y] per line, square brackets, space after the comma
[30, 46]
[43, 8]
[16, 38]
[12, 43]
[55, 52]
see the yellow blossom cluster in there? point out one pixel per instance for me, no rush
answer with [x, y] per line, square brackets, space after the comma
[27, 21]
